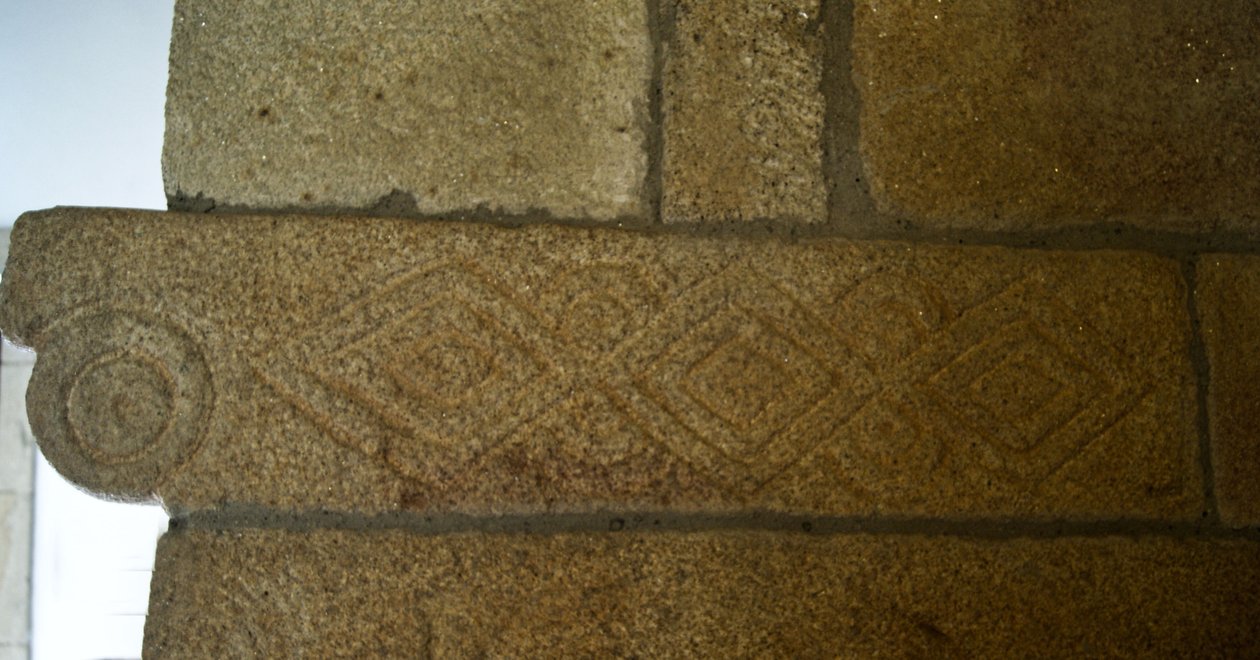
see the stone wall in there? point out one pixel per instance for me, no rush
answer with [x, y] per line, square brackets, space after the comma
[678, 328]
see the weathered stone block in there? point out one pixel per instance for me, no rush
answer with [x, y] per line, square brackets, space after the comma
[1228, 297]
[307, 363]
[486, 105]
[743, 112]
[701, 594]
[996, 114]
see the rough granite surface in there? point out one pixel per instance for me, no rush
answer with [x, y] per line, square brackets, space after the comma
[700, 594]
[743, 112]
[994, 114]
[1229, 309]
[481, 105]
[321, 363]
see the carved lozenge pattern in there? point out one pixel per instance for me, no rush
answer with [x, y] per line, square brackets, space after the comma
[874, 385]
[326, 364]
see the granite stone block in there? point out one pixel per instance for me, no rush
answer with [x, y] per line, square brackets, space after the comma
[743, 112]
[246, 593]
[1229, 310]
[429, 366]
[501, 106]
[999, 115]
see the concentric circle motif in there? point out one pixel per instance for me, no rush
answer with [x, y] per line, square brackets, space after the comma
[119, 400]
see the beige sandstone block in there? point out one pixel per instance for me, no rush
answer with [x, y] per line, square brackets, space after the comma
[477, 106]
[743, 112]
[999, 114]
[699, 594]
[1229, 309]
[316, 363]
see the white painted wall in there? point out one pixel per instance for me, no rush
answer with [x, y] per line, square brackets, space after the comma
[16, 467]
[81, 112]
[81, 116]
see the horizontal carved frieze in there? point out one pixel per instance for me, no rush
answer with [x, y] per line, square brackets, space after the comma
[333, 363]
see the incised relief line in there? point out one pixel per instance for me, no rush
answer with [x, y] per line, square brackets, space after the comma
[740, 379]
[120, 399]
[739, 374]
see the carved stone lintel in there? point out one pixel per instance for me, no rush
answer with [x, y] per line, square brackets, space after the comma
[315, 362]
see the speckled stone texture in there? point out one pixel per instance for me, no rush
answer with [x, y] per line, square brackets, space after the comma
[998, 114]
[701, 594]
[475, 106]
[1229, 309]
[317, 363]
[743, 112]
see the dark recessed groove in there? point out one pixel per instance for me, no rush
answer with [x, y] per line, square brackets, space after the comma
[244, 517]
[1101, 236]
[1202, 371]
[660, 30]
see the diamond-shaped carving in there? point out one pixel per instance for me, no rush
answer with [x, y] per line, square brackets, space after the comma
[887, 317]
[739, 383]
[1021, 388]
[1018, 386]
[446, 369]
[749, 380]
[889, 447]
[1030, 380]
[447, 407]
[598, 307]
[597, 320]
[420, 378]
[730, 399]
